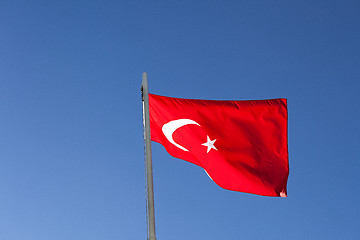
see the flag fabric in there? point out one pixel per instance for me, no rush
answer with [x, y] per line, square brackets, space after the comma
[242, 145]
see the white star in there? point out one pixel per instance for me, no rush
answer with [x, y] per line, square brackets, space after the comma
[209, 144]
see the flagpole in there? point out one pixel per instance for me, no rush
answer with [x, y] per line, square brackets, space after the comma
[150, 211]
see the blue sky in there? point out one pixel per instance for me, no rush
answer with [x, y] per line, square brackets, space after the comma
[71, 143]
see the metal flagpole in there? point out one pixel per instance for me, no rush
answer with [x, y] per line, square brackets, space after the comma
[150, 211]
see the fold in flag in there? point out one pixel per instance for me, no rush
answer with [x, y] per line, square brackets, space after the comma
[242, 145]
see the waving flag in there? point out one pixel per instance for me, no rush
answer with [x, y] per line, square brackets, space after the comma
[242, 145]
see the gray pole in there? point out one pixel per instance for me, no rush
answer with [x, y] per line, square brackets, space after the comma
[150, 214]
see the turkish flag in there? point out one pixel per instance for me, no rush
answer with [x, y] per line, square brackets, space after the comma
[242, 145]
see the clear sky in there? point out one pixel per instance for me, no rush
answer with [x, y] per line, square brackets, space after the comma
[71, 137]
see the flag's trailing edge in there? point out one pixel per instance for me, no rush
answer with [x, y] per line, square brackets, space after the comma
[242, 145]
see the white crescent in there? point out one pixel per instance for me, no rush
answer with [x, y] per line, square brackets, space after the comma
[170, 127]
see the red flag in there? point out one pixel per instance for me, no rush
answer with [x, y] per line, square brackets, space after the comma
[242, 145]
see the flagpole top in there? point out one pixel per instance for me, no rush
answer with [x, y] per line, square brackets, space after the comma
[144, 80]
[144, 86]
